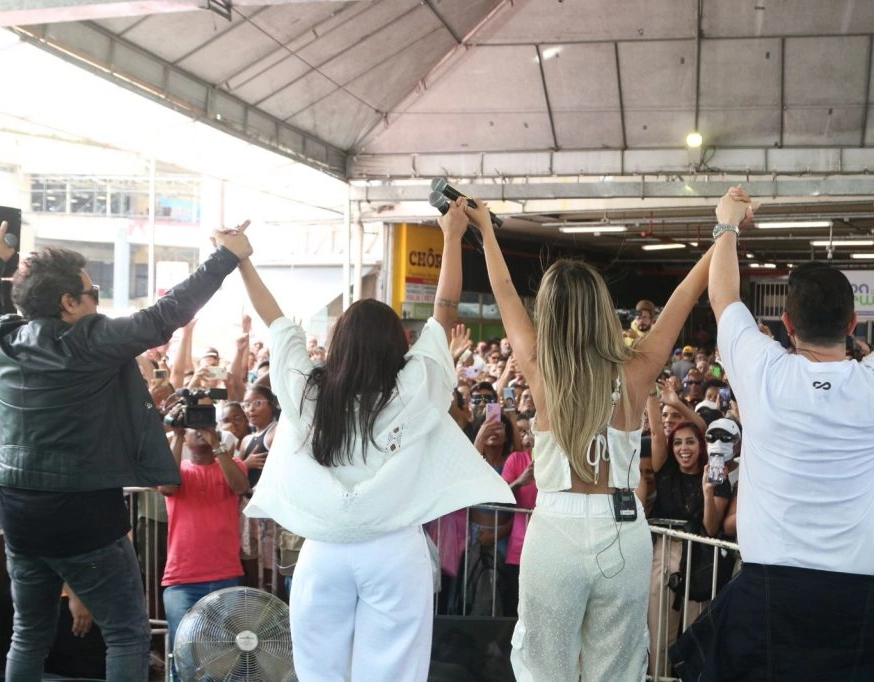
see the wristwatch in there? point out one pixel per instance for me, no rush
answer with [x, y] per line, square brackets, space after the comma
[722, 228]
[220, 450]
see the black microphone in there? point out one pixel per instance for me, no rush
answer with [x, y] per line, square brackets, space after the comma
[471, 235]
[448, 191]
[438, 201]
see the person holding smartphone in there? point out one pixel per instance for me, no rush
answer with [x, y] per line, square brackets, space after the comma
[585, 565]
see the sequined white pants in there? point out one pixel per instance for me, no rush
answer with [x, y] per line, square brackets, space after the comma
[583, 587]
[363, 611]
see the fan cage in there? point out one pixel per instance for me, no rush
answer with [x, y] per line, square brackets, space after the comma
[206, 647]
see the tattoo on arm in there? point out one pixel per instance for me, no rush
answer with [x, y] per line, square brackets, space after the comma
[446, 303]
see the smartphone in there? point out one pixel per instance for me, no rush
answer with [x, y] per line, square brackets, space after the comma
[509, 396]
[465, 356]
[161, 374]
[716, 473]
[493, 412]
[725, 398]
[217, 373]
[12, 216]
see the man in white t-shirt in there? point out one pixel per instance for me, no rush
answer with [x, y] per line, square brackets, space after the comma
[802, 608]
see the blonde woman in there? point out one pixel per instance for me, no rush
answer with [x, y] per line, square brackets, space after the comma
[585, 566]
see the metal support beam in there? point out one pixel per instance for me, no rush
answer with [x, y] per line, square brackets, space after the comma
[101, 52]
[631, 189]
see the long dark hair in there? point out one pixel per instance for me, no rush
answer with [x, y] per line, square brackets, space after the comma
[367, 351]
[699, 436]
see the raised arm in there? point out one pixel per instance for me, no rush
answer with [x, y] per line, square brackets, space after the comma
[724, 286]
[656, 346]
[262, 300]
[453, 224]
[236, 382]
[517, 324]
[236, 478]
[658, 440]
[182, 355]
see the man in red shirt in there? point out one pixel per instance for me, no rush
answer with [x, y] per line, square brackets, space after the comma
[203, 542]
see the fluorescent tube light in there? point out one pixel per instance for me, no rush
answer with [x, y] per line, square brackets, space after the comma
[860, 256]
[788, 224]
[663, 247]
[596, 229]
[843, 242]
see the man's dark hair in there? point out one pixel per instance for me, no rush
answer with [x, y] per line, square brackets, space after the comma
[710, 383]
[819, 301]
[483, 387]
[43, 278]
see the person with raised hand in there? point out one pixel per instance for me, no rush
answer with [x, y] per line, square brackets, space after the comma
[802, 606]
[78, 425]
[585, 565]
[364, 453]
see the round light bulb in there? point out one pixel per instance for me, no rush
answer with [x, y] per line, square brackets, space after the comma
[694, 140]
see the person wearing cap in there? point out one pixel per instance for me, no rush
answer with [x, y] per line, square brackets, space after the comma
[723, 438]
[693, 392]
[210, 358]
[642, 322]
[682, 366]
[802, 607]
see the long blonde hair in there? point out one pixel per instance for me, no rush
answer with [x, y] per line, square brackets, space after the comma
[580, 353]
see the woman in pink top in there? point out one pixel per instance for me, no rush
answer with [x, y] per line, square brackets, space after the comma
[518, 471]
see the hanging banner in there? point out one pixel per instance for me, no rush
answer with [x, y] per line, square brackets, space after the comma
[863, 291]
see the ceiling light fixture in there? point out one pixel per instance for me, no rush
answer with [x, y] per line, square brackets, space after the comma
[861, 256]
[789, 224]
[596, 229]
[694, 140]
[843, 242]
[663, 247]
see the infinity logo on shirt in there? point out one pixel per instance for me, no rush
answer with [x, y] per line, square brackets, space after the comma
[824, 385]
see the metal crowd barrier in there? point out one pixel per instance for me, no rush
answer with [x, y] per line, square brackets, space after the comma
[443, 531]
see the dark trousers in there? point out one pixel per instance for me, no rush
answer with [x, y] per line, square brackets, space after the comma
[780, 623]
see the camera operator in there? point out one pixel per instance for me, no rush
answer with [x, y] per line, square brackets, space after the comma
[203, 545]
[78, 425]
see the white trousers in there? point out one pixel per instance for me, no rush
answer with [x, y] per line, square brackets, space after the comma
[583, 584]
[363, 611]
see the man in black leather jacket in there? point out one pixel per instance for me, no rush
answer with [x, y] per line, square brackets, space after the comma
[76, 425]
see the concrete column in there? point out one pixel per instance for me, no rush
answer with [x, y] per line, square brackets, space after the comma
[121, 271]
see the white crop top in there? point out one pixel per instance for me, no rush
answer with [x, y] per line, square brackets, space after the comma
[552, 469]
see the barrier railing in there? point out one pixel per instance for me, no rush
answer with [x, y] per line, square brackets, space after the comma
[469, 561]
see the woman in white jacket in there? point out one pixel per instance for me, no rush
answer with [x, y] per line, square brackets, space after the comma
[365, 452]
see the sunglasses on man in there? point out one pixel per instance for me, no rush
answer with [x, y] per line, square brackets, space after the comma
[479, 399]
[722, 436]
[93, 292]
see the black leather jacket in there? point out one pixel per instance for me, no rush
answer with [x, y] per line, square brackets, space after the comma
[75, 413]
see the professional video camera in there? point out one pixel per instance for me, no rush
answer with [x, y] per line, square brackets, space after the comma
[187, 414]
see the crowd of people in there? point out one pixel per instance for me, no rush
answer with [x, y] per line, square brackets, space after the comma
[515, 476]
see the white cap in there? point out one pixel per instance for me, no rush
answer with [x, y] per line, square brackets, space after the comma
[708, 404]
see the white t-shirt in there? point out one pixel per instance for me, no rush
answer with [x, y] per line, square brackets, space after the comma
[806, 489]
